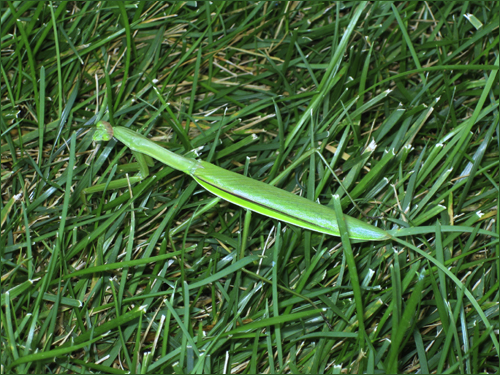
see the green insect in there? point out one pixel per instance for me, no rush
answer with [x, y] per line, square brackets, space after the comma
[244, 191]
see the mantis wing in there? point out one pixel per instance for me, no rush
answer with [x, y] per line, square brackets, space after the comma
[280, 204]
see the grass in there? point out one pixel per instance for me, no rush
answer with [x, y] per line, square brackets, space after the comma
[400, 99]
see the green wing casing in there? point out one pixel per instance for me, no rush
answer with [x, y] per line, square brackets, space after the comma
[280, 204]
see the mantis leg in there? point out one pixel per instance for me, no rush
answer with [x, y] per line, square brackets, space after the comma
[142, 165]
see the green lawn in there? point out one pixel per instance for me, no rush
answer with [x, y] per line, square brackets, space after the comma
[401, 99]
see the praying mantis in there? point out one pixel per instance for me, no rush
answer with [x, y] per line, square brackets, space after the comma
[243, 191]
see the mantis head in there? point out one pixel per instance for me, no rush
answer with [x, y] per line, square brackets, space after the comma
[104, 131]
